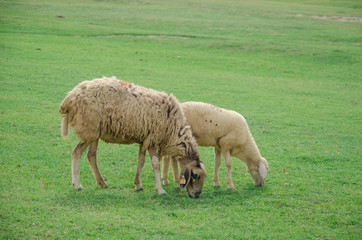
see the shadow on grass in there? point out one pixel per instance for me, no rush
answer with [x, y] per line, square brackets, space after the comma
[95, 197]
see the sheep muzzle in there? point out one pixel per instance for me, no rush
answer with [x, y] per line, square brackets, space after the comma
[192, 178]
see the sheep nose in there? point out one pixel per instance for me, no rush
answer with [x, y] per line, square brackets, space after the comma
[194, 194]
[197, 194]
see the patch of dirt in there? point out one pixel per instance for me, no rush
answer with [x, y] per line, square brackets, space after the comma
[335, 18]
[146, 36]
[169, 37]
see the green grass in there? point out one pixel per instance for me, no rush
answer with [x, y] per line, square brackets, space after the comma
[295, 78]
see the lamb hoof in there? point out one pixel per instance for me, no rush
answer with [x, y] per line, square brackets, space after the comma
[78, 188]
[166, 182]
[217, 184]
[231, 188]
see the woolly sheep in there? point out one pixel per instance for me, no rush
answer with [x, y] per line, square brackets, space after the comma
[228, 132]
[120, 112]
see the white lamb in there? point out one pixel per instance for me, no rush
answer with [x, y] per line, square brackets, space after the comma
[228, 132]
[119, 112]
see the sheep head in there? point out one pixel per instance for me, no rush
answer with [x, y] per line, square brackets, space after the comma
[259, 173]
[192, 177]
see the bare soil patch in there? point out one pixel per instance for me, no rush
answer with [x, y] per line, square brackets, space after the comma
[335, 18]
[145, 36]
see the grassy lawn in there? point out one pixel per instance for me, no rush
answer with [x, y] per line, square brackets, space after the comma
[293, 68]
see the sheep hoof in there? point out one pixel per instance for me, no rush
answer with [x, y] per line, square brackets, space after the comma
[231, 186]
[161, 192]
[78, 188]
[166, 182]
[103, 184]
[139, 189]
[217, 184]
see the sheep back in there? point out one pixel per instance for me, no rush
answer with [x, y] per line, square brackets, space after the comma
[120, 112]
[210, 123]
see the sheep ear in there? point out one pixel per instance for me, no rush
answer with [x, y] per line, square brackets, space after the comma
[262, 170]
[203, 167]
[185, 178]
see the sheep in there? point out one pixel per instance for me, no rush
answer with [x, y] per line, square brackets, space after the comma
[120, 112]
[226, 131]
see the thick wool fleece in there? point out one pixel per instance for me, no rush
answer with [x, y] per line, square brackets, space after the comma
[120, 112]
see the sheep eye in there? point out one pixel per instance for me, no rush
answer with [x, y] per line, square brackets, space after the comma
[196, 177]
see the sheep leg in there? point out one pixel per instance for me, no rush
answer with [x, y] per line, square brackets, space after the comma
[227, 159]
[140, 163]
[165, 169]
[176, 173]
[92, 159]
[76, 155]
[156, 168]
[216, 180]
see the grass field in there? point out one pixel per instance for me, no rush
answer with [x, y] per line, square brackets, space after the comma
[293, 68]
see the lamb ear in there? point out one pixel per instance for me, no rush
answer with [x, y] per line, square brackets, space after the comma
[262, 170]
[184, 178]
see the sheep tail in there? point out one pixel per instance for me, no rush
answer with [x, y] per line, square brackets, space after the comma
[64, 110]
[65, 131]
[65, 105]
